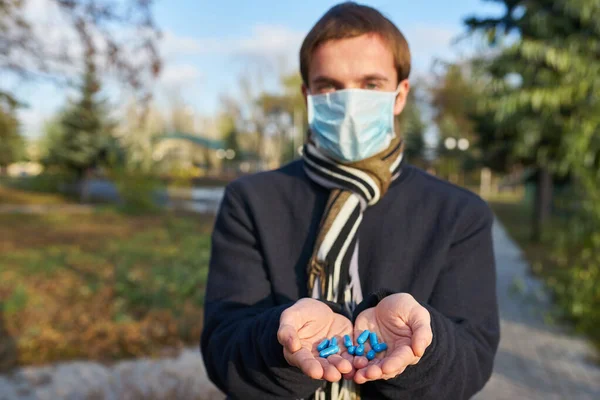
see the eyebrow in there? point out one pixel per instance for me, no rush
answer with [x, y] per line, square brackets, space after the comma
[375, 77]
[325, 79]
[334, 82]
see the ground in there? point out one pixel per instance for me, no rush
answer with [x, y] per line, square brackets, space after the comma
[100, 285]
[536, 360]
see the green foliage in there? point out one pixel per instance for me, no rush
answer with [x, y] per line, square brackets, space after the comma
[137, 191]
[12, 145]
[412, 128]
[83, 138]
[543, 88]
[167, 279]
[17, 301]
[576, 254]
[543, 99]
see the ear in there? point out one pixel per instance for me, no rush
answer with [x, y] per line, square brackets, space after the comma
[403, 90]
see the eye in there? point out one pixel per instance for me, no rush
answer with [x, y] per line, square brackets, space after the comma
[325, 88]
[371, 86]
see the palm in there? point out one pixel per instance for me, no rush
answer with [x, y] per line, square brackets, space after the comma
[397, 319]
[324, 326]
[302, 327]
[390, 330]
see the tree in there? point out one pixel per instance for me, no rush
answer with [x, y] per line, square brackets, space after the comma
[286, 113]
[412, 128]
[121, 35]
[137, 133]
[11, 142]
[544, 87]
[230, 134]
[454, 98]
[86, 139]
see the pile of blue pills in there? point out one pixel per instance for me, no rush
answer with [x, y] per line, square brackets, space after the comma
[328, 347]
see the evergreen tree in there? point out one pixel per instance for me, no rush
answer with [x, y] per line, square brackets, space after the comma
[86, 139]
[544, 92]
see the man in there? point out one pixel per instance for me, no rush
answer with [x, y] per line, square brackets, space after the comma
[351, 238]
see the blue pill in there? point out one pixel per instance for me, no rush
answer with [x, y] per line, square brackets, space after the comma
[371, 355]
[363, 337]
[373, 339]
[360, 350]
[329, 351]
[333, 341]
[323, 345]
[347, 341]
[351, 350]
[379, 347]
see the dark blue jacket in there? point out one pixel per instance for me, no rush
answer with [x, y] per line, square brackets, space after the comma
[425, 237]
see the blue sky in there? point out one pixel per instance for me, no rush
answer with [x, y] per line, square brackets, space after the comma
[207, 45]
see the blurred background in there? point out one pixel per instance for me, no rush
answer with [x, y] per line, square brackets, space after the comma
[121, 121]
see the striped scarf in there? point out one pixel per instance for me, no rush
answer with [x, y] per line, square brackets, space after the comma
[333, 267]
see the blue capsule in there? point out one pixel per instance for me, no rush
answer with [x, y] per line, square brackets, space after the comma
[347, 341]
[323, 345]
[351, 350]
[329, 351]
[379, 347]
[333, 341]
[363, 337]
[371, 355]
[360, 350]
[373, 339]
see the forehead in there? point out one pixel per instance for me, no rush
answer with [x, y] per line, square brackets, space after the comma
[349, 59]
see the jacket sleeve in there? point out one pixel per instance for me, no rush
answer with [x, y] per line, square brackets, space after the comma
[464, 321]
[239, 339]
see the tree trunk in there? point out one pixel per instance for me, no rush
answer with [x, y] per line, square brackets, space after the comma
[543, 203]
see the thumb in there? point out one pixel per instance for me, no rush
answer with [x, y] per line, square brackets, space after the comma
[422, 335]
[288, 338]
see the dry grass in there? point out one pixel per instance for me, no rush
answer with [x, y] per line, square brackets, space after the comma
[10, 195]
[101, 286]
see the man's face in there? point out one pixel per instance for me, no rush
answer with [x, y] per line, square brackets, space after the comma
[362, 62]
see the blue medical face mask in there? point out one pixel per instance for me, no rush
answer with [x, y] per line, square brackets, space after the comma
[352, 124]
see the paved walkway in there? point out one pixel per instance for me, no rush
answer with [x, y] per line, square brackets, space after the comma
[535, 360]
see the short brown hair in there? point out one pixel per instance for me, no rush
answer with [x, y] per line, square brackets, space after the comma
[348, 20]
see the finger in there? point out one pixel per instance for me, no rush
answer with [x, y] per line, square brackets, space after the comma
[350, 358]
[360, 376]
[287, 335]
[330, 373]
[387, 377]
[349, 376]
[398, 360]
[360, 362]
[372, 372]
[307, 363]
[421, 331]
[342, 364]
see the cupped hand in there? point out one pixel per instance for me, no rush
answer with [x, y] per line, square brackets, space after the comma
[302, 327]
[404, 325]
